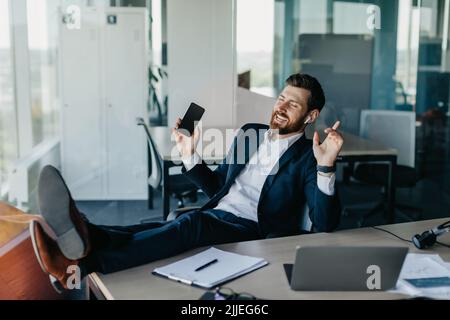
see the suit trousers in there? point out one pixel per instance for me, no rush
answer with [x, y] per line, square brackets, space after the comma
[116, 248]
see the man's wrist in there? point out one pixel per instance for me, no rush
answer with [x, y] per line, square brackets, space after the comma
[326, 168]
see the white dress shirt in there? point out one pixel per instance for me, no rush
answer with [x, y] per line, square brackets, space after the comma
[243, 197]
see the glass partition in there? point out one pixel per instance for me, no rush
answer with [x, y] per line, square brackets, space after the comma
[368, 54]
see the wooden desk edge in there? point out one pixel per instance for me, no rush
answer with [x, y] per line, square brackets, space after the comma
[98, 288]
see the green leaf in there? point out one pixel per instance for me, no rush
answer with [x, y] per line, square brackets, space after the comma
[154, 78]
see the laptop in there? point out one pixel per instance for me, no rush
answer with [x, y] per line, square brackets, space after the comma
[332, 268]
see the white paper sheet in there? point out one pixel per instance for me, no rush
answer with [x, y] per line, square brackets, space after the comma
[421, 266]
[229, 265]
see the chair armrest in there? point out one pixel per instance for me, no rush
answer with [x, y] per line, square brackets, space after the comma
[178, 212]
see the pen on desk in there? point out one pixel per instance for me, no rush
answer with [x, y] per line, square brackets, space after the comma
[206, 265]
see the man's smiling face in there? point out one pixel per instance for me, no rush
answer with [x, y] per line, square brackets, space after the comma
[290, 110]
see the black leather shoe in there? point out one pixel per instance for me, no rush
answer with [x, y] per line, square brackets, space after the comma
[59, 211]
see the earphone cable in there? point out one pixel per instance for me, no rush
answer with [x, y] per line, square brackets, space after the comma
[443, 244]
[406, 240]
[398, 237]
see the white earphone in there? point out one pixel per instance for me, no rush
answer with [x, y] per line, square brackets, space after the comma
[307, 120]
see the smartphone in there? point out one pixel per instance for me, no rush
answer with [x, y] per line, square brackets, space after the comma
[193, 114]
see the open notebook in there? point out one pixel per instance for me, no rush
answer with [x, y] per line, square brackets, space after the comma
[218, 267]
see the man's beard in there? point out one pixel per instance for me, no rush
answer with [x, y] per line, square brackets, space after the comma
[288, 127]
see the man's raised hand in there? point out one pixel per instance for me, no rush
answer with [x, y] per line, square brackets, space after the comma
[327, 151]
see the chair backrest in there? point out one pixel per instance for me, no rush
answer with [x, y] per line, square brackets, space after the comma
[155, 172]
[394, 129]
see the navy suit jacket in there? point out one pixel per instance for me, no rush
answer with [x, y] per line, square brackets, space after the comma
[283, 195]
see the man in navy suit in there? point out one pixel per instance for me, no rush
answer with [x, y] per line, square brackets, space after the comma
[258, 191]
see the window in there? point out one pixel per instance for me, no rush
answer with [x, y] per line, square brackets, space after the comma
[350, 18]
[254, 42]
[8, 122]
[158, 100]
[42, 42]
[407, 52]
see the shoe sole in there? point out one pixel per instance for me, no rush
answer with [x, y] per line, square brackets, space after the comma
[54, 205]
[53, 281]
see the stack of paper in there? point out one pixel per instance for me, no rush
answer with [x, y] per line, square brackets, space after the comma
[425, 275]
[210, 268]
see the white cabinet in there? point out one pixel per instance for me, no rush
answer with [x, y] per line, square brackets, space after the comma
[104, 88]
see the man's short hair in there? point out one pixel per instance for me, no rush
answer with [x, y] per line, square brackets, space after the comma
[302, 80]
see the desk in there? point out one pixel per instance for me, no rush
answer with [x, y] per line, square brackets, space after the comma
[269, 282]
[354, 149]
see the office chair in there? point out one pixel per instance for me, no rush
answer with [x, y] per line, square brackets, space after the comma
[180, 187]
[395, 129]
[433, 138]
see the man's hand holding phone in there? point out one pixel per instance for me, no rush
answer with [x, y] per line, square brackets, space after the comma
[186, 131]
[185, 145]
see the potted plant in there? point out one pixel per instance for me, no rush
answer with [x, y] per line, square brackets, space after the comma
[155, 103]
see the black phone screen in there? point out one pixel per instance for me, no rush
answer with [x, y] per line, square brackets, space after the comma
[193, 115]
